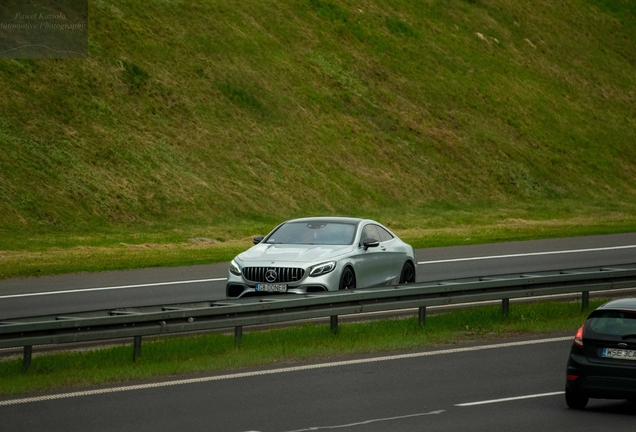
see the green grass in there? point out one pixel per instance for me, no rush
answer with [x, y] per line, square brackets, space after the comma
[204, 119]
[116, 248]
[308, 342]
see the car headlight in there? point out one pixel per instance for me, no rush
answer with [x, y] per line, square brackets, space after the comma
[322, 269]
[234, 268]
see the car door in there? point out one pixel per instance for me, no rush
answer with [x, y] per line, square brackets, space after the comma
[396, 255]
[374, 267]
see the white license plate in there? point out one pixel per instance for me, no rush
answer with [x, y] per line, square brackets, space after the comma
[618, 353]
[281, 288]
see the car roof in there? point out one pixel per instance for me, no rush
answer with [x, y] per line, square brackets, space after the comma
[333, 219]
[622, 304]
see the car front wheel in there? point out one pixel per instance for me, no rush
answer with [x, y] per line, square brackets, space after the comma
[347, 279]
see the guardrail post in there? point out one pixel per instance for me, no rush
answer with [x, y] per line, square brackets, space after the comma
[26, 359]
[505, 306]
[334, 324]
[238, 335]
[585, 300]
[421, 316]
[136, 347]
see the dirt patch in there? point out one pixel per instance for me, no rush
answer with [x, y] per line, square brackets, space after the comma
[144, 246]
[202, 240]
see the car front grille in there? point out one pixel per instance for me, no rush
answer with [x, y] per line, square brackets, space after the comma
[283, 274]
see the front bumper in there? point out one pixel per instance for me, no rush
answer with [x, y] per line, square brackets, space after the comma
[236, 290]
[237, 286]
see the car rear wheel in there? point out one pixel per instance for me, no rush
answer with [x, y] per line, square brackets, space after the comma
[408, 273]
[347, 279]
[575, 400]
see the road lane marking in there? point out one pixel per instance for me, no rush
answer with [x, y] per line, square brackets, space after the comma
[510, 399]
[111, 288]
[279, 370]
[224, 279]
[369, 421]
[527, 254]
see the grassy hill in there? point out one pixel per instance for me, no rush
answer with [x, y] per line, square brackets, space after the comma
[217, 119]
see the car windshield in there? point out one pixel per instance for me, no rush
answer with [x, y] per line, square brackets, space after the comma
[314, 232]
[612, 323]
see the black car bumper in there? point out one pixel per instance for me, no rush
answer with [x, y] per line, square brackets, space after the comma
[601, 380]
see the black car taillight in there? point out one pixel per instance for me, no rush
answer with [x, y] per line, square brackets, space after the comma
[578, 339]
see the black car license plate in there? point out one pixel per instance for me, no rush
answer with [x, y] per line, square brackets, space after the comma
[280, 288]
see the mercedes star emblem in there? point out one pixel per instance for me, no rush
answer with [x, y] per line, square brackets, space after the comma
[270, 276]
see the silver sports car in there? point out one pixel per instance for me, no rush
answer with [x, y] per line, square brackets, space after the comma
[321, 254]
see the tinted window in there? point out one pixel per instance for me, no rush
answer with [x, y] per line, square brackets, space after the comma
[315, 232]
[384, 234]
[611, 324]
[370, 232]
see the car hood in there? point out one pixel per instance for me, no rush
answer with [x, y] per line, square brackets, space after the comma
[292, 253]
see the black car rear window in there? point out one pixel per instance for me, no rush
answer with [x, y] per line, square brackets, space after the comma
[611, 323]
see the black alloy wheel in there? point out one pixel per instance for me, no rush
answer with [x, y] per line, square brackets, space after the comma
[408, 273]
[347, 279]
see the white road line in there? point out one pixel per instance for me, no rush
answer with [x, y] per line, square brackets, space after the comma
[111, 288]
[368, 421]
[223, 279]
[280, 370]
[527, 254]
[510, 399]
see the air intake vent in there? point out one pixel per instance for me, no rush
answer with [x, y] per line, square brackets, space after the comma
[273, 274]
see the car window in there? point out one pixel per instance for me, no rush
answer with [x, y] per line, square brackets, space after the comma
[313, 232]
[384, 234]
[370, 232]
[611, 323]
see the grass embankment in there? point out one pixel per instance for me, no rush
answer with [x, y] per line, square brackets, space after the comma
[480, 119]
[215, 352]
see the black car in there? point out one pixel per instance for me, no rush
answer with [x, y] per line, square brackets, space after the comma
[602, 361]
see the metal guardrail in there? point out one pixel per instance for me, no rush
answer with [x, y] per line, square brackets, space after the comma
[236, 313]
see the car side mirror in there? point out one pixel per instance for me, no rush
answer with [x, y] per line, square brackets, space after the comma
[370, 243]
[258, 239]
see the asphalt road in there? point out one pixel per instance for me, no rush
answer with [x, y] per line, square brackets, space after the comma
[473, 388]
[83, 292]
